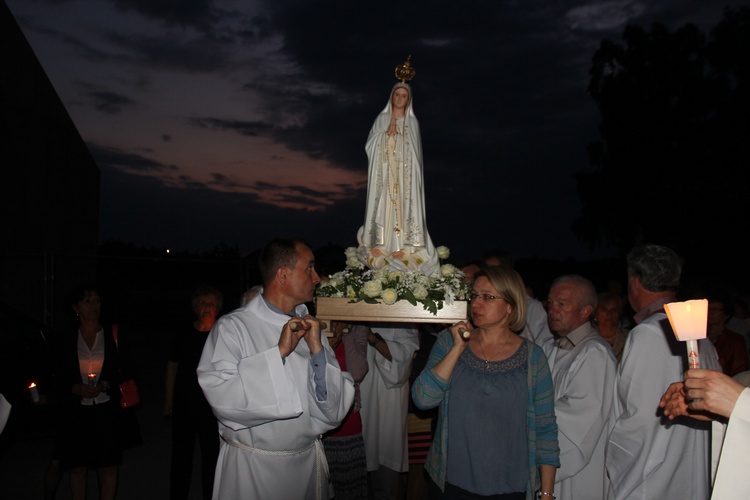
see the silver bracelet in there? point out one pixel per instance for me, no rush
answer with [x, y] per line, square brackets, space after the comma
[547, 493]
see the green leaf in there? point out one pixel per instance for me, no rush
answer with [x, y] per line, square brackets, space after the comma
[431, 306]
[408, 296]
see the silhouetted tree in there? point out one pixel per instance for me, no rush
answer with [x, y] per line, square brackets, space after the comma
[674, 140]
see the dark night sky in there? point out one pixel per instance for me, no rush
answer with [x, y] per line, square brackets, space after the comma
[235, 121]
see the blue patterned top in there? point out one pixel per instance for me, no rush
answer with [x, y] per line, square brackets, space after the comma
[429, 391]
[487, 414]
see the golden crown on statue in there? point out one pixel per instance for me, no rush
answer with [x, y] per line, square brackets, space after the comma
[405, 72]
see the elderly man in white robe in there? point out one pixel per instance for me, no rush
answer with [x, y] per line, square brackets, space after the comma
[272, 394]
[583, 369]
[647, 455]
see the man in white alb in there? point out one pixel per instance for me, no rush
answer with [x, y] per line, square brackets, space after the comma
[648, 456]
[583, 369]
[272, 394]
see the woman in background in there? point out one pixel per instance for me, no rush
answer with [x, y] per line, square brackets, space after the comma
[608, 317]
[192, 418]
[91, 428]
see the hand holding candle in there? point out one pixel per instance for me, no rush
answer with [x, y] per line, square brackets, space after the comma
[689, 321]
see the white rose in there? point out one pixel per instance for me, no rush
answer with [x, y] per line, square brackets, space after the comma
[389, 296]
[448, 270]
[372, 288]
[350, 252]
[379, 275]
[443, 252]
[350, 292]
[353, 262]
[423, 280]
[419, 292]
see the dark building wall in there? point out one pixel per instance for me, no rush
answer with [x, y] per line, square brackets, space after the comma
[49, 186]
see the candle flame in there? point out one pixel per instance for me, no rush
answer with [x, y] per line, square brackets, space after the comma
[32, 385]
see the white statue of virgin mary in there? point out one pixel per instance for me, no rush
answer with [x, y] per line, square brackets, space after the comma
[394, 235]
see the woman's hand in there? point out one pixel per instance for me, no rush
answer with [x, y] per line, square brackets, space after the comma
[103, 386]
[339, 329]
[461, 333]
[444, 368]
[85, 390]
[380, 345]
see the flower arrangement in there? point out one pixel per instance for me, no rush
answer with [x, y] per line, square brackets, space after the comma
[390, 286]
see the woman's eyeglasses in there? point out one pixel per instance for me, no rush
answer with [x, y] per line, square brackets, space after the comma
[485, 297]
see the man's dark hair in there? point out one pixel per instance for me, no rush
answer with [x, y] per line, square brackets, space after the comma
[658, 267]
[279, 252]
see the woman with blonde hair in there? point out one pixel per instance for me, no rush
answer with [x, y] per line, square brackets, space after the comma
[496, 435]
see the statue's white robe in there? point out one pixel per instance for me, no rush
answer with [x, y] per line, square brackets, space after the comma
[404, 207]
[269, 405]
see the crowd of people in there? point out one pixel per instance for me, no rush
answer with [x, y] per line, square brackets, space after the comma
[556, 398]
[574, 396]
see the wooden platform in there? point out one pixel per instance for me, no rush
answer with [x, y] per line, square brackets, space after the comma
[342, 309]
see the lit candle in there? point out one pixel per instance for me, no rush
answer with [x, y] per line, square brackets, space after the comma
[34, 392]
[92, 379]
[689, 321]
